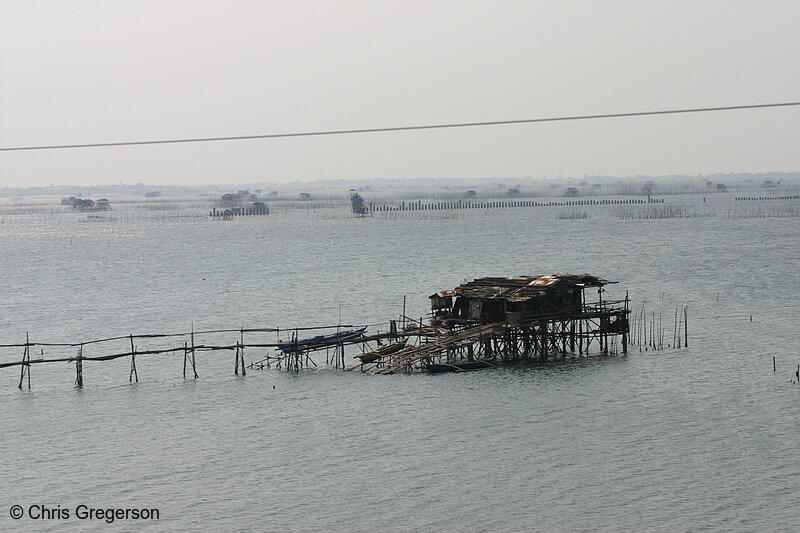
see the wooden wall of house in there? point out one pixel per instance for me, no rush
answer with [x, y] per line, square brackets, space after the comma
[560, 299]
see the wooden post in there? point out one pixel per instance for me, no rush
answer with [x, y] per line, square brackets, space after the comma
[79, 367]
[26, 367]
[572, 336]
[186, 351]
[404, 312]
[624, 334]
[236, 370]
[194, 363]
[675, 329]
[544, 342]
[685, 327]
[653, 331]
[241, 337]
[643, 328]
[133, 363]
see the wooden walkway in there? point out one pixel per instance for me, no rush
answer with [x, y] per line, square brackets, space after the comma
[436, 347]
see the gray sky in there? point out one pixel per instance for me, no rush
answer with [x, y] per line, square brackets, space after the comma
[80, 71]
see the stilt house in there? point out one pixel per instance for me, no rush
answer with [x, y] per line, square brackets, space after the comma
[514, 299]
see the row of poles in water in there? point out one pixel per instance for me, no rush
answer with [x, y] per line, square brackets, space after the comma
[648, 331]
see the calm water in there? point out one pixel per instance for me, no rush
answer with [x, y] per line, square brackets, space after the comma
[701, 438]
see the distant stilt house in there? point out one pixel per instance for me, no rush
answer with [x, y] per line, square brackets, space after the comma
[256, 208]
[79, 203]
[358, 204]
[85, 205]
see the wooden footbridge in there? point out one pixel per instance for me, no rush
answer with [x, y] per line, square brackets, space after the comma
[447, 346]
[477, 325]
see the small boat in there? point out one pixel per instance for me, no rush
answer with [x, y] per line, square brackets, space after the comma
[463, 366]
[321, 341]
[376, 354]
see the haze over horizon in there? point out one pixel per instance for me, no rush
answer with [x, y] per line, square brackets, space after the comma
[92, 72]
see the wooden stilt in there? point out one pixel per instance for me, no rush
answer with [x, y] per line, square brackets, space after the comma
[79, 367]
[572, 336]
[625, 330]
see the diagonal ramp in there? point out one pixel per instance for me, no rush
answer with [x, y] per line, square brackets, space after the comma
[434, 348]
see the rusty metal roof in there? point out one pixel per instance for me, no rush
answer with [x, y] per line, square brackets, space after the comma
[521, 288]
[442, 294]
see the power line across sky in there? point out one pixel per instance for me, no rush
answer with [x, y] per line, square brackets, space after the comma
[400, 128]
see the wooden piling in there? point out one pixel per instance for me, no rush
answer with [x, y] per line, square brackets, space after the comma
[236, 370]
[25, 368]
[186, 351]
[185, 356]
[79, 368]
[685, 327]
[241, 341]
[675, 328]
[133, 363]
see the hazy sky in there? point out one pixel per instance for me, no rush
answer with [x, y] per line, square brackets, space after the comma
[84, 71]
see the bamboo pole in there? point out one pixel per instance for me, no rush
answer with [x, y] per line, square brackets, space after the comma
[685, 327]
